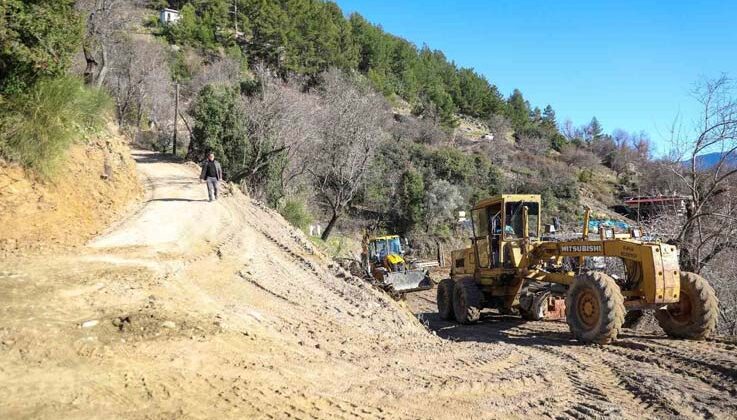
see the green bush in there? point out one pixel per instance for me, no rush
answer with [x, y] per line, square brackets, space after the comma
[296, 213]
[38, 39]
[37, 127]
[585, 176]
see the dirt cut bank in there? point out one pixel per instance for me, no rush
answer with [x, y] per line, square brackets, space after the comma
[94, 186]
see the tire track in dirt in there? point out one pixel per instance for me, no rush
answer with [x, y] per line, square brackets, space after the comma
[697, 354]
[594, 390]
[689, 366]
[636, 377]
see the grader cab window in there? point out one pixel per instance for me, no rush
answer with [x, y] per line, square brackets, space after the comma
[480, 223]
[513, 226]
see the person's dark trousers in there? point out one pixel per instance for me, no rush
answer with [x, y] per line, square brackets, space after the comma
[212, 187]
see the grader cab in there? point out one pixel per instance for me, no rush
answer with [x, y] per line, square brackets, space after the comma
[509, 266]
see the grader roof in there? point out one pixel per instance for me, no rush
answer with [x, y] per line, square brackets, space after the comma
[534, 198]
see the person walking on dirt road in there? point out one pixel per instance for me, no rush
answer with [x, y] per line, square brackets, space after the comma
[212, 173]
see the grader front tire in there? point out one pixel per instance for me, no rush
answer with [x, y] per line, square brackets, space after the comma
[594, 308]
[445, 299]
[467, 301]
[695, 315]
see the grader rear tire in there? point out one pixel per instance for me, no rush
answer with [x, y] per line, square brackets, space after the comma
[695, 315]
[594, 308]
[445, 299]
[467, 301]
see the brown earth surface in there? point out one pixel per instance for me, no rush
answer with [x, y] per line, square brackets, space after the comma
[95, 185]
[190, 309]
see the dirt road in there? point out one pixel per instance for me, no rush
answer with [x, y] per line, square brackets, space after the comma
[190, 309]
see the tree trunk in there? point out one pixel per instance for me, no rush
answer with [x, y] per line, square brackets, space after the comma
[329, 227]
[104, 66]
[91, 70]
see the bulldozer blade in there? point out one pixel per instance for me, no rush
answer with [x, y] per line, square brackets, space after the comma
[408, 281]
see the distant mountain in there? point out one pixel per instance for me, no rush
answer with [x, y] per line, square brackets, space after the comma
[710, 160]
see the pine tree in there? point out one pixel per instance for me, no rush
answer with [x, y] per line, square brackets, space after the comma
[37, 39]
[536, 115]
[549, 117]
[518, 110]
[267, 26]
[411, 198]
[594, 130]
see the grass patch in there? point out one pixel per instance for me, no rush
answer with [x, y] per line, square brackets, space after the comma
[297, 214]
[338, 245]
[38, 126]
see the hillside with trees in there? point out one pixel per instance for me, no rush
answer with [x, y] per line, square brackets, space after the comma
[328, 118]
[295, 44]
[127, 292]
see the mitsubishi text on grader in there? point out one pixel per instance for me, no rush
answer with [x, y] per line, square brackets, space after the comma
[509, 266]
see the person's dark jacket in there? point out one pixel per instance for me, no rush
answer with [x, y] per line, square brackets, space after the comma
[218, 169]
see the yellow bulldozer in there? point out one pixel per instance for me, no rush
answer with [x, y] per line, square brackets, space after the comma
[383, 262]
[511, 267]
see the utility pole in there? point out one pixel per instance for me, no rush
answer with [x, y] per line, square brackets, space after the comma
[176, 116]
[235, 17]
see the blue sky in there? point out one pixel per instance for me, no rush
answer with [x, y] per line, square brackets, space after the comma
[630, 63]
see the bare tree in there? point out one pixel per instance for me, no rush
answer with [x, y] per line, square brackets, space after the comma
[723, 277]
[659, 178]
[280, 122]
[352, 125]
[642, 145]
[622, 159]
[533, 144]
[221, 71]
[568, 130]
[106, 20]
[141, 72]
[710, 226]
[573, 155]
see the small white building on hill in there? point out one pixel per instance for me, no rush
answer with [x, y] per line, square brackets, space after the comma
[169, 16]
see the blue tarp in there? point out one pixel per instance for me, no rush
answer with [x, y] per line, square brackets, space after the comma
[616, 224]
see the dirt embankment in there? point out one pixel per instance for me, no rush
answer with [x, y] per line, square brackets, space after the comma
[94, 186]
[191, 309]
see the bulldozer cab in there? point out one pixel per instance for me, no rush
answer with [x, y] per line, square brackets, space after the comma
[384, 262]
[501, 221]
[385, 249]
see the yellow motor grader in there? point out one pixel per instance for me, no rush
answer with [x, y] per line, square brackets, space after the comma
[509, 266]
